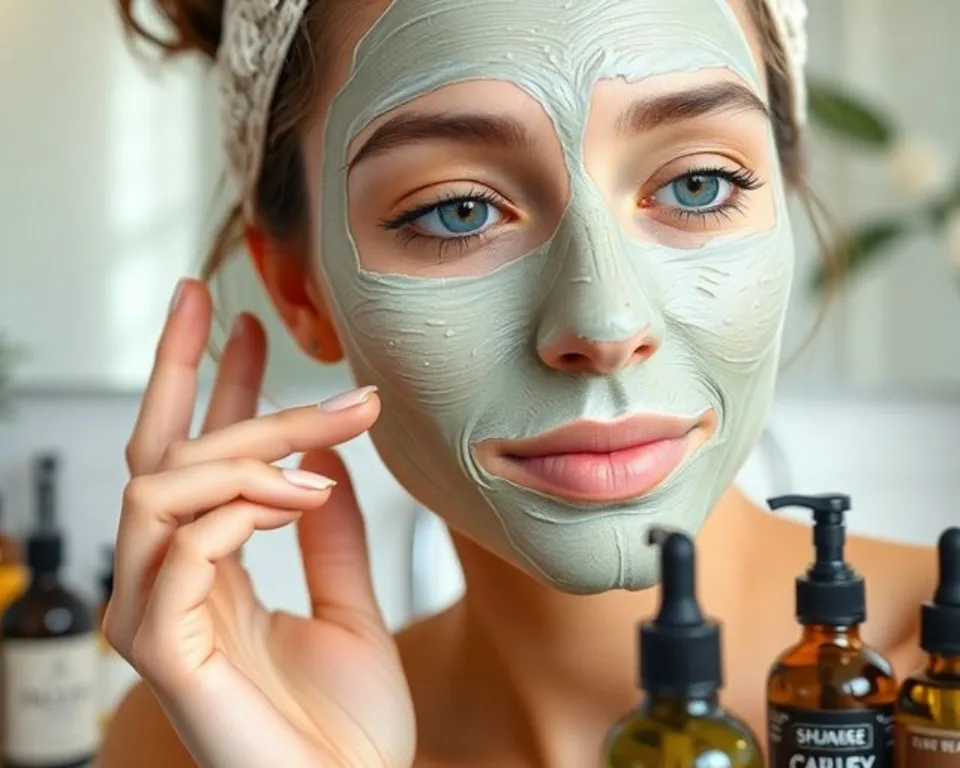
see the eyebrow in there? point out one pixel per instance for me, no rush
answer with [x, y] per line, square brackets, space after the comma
[508, 133]
[482, 130]
[657, 111]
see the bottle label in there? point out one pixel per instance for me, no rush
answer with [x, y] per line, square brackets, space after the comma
[928, 747]
[831, 738]
[50, 699]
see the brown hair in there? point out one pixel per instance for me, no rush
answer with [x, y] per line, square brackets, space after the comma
[281, 194]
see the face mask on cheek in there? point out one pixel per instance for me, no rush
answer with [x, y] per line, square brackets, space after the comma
[456, 358]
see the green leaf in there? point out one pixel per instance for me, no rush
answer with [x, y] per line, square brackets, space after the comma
[940, 210]
[858, 250]
[849, 118]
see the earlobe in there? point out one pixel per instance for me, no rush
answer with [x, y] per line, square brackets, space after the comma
[284, 275]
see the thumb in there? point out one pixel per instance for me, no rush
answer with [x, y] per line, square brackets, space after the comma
[333, 545]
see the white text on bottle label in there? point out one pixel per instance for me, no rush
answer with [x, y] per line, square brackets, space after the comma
[50, 699]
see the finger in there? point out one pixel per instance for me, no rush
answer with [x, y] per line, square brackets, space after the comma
[333, 546]
[276, 436]
[174, 619]
[155, 506]
[167, 407]
[236, 389]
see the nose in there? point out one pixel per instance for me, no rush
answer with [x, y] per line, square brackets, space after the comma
[601, 313]
[574, 354]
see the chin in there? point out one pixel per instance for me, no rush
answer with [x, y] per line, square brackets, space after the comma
[587, 551]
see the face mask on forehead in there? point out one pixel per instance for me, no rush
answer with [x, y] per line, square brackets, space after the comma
[456, 358]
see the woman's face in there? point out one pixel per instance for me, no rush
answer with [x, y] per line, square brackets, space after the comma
[554, 235]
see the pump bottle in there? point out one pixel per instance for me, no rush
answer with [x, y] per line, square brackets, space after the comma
[680, 723]
[928, 710]
[830, 698]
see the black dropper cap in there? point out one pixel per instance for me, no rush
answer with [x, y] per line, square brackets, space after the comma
[106, 575]
[45, 543]
[940, 618]
[831, 592]
[679, 649]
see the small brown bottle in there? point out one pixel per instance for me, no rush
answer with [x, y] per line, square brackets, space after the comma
[831, 697]
[49, 655]
[928, 711]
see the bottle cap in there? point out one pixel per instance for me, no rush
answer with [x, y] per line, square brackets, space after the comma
[940, 617]
[831, 592]
[680, 649]
[45, 543]
[106, 575]
[44, 552]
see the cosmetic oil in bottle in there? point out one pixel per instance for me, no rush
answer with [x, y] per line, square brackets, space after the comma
[680, 723]
[830, 698]
[928, 710]
[49, 655]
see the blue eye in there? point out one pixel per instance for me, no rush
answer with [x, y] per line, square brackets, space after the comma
[457, 218]
[696, 192]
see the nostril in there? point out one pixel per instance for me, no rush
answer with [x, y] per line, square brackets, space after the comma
[645, 351]
[571, 358]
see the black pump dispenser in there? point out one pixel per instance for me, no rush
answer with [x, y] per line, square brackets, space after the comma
[831, 593]
[940, 619]
[680, 649]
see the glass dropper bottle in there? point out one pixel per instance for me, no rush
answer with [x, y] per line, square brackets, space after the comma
[680, 722]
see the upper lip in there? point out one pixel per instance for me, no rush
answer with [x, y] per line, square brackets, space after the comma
[600, 436]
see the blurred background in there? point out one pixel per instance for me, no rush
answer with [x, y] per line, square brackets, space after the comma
[110, 182]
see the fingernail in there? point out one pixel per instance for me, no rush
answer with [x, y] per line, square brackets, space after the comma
[236, 327]
[176, 298]
[309, 480]
[346, 400]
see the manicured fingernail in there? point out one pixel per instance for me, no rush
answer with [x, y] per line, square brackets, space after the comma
[177, 297]
[346, 400]
[309, 480]
[237, 326]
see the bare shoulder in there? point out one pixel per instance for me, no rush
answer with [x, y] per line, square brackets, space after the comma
[897, 574]
[141, 735]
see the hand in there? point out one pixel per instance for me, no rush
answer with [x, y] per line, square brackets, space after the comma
[242, 685]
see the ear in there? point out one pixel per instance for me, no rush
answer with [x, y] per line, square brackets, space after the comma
[287, 281]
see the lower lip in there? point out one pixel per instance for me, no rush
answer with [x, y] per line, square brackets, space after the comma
[599, 477]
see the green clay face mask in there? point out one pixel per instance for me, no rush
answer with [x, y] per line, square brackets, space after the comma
[456, 358]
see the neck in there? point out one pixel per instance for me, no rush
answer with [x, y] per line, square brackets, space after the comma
[568, 663]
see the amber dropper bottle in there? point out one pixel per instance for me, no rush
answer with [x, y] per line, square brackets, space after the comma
[680, 723]
[830, 698]
[928, 711]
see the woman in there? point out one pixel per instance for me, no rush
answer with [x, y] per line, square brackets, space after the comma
[553, 236]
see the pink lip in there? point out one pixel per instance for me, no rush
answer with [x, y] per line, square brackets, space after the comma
[598, 462]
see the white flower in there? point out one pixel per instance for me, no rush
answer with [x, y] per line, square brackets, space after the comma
[952, 233]
[920, 170]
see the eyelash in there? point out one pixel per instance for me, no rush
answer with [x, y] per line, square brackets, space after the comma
[406, 235]
[743, 179]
